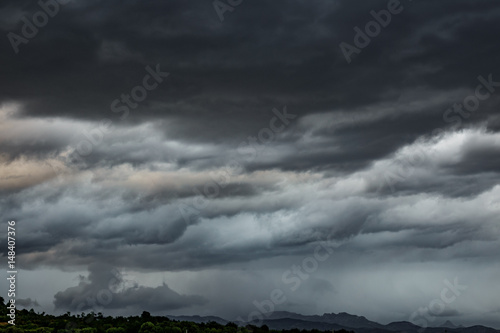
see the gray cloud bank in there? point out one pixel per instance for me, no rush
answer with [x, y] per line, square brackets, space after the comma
[260, 143]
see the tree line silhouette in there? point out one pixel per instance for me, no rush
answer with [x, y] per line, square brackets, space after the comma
[30, 321]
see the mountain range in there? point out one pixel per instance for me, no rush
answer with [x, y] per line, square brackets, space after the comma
[283, 320]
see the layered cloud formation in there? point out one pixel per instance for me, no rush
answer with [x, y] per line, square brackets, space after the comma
[260, 143]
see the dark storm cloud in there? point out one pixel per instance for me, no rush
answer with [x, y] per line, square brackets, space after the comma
[229, 190]
[36, 148]
[226, 77]
[374, 159]
[480, 157]
[27, 303]
[121, 235]
[104, 288]
[453, 186]
[224, 74]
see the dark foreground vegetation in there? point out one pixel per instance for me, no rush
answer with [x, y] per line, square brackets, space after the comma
[30, 321]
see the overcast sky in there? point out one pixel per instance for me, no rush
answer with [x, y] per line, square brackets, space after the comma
[189, 157]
